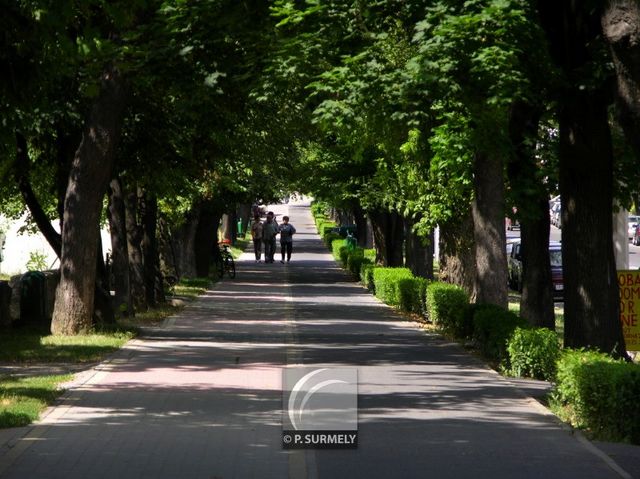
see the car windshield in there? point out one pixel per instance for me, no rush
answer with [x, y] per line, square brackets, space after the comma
[633, 219]
[555, 256]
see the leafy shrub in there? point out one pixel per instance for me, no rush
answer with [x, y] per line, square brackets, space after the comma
[319, 208]
[355, 258]
[339, 250]
[492, 328]
[594, 391]
[366, 274]
[412, 294]
[329, 238]
[386, 281]
[533, 353]
[446, 304]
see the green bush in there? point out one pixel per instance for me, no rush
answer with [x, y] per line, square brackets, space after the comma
[446, 304]
[355, 258]
[533, 353]
[328, 239]
[319, 208]
[386, 281]
[339, 250]
[492, 328]
[366, 274]
[598, 393]
[412, 294]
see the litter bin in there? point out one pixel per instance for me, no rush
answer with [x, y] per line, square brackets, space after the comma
[5, 301]
[240, 232]
[32, 299]
[351, 241]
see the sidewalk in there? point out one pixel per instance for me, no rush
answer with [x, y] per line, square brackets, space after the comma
[201, 396]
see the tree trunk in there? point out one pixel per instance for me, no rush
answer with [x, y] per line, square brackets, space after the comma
[592, 309]
[134, 248]
[123, 303]
[206, 239]
[88, 180]
[102, 305]
[489, 231]
[151, 258]
[531, 199]
[591, 296]
[388, 234]
[229, 228]
[457, 255]
[183, 241]
[419, 251]
[621, 28]
[361, 225]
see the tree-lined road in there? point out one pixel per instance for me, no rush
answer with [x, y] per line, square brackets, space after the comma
[201, 397]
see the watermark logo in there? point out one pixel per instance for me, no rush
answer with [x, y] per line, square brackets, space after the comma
[320, 408]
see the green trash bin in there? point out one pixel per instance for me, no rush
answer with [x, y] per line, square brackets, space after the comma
[352, 242]
[240, 232]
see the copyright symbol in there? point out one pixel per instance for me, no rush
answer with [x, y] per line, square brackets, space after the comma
[287, 439]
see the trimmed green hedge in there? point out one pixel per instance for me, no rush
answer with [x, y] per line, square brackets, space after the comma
[492, 328]
[386, 283]
[533, 353]
[366, 275]
[412, 294]
[339, 250]
[446, 304]
[598, 393]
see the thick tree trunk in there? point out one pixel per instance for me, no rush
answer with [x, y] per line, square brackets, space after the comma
[90, 175]
[457, 255]
[183, 240]
[621, 28]
[134, 248]
[361, 225]
[151, 259]
[103, 312]
[591, 297]
[388, 234]
[489, 231]
[123, 303]
[591, 314]
[531, 198]
[536, 303]
[206, 239]
[419, 251]
[229, 228]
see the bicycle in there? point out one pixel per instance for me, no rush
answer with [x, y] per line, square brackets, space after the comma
[225, 262]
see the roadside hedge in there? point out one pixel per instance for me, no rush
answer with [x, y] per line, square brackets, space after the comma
[412, 294]
[533, 352]
[340, 250]
[446, 304]
[386, 283]
[366, 275]
[595, 392]
[492, 328]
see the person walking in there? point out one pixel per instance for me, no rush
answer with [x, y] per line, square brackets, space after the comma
[269, 232]
[287, 230]
[256, 235]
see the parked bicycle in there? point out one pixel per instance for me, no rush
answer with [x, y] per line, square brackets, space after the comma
[225, 262]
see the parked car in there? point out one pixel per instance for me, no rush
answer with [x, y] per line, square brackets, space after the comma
[555, 257]
[632, 225]
[635, 239]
